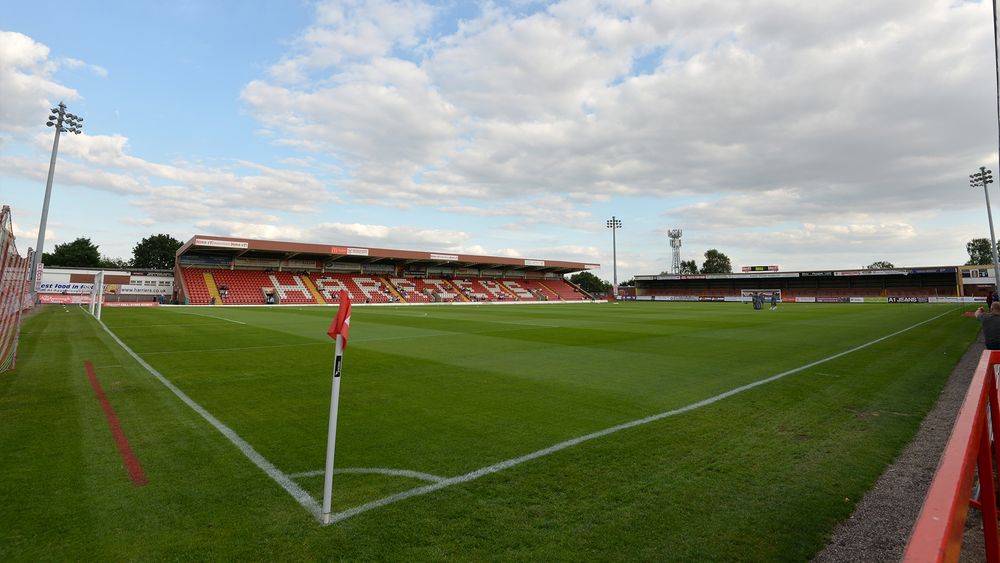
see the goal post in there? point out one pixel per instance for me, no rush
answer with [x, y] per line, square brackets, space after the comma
[747, 294]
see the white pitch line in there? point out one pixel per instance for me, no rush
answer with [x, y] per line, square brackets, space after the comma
[490, 469]
[195, 350]
[290, 486]
[210, 317]
[373, 470]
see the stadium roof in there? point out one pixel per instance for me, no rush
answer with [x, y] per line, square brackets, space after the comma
[328, 254]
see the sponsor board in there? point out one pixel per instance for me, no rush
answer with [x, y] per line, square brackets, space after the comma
[449, 257]
[956, 299]
[871, 273]
[760, 268]
[597, 267]
[350, 251]
[857, 299]
[816, 274]
[908, 299]
[131, 304]
[534, 262]
[832, 300]
[86, 288]
[711, 298]
[65, 287]
[63, 299]
[220, 243]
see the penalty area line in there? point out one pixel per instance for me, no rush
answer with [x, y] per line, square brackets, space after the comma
[372, 471]
[497, 467]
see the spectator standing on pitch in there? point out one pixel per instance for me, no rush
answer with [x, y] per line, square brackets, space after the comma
[774, 300]
[991, 325]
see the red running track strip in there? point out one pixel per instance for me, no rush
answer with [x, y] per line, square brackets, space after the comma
[131, 462]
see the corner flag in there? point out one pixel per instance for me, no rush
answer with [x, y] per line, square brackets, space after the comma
[338, 331]
[342, 323]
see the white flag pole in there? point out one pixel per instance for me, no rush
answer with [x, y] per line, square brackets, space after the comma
[331, 439]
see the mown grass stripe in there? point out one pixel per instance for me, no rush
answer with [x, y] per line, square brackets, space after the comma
[490, 469]
[279, 477]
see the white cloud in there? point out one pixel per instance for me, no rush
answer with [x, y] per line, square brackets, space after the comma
[26, 85]
[358, 234]
[751, 98]
[77, 63]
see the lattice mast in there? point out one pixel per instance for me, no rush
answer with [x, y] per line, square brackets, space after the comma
[675, 245]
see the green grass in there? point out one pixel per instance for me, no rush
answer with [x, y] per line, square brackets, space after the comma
[762, 475]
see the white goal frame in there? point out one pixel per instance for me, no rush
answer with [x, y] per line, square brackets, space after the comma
[746, 294]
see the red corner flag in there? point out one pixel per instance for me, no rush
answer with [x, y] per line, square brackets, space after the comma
[342, 323]
[340, 327]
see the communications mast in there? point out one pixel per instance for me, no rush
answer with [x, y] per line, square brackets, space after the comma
[675, 245]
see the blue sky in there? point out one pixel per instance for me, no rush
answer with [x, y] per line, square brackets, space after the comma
[807, 136]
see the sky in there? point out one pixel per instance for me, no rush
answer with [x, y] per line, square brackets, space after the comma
[807, 135]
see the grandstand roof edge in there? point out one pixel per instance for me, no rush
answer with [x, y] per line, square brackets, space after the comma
[243, 245]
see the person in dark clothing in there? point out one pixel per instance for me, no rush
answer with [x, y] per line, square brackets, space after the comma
[991, 325]
[774, 300]
[989, 300]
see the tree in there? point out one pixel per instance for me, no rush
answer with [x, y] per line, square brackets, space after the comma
[689, 267]
[81, 253]
[979, 252]
[113, 263]
[157, 251]
[881, 265]
[629, 283]
[590, 283]
[716, 263]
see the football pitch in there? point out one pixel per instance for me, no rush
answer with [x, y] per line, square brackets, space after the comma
[632, 431]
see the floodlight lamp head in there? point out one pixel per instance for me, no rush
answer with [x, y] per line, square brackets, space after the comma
[49, 123]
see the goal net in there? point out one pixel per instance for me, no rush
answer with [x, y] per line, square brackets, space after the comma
[747, 294]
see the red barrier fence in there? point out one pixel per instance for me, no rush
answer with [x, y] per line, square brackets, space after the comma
[937, 534]
[15, 292]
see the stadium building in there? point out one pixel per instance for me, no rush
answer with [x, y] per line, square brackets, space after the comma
[925, 284]
[238, 271]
